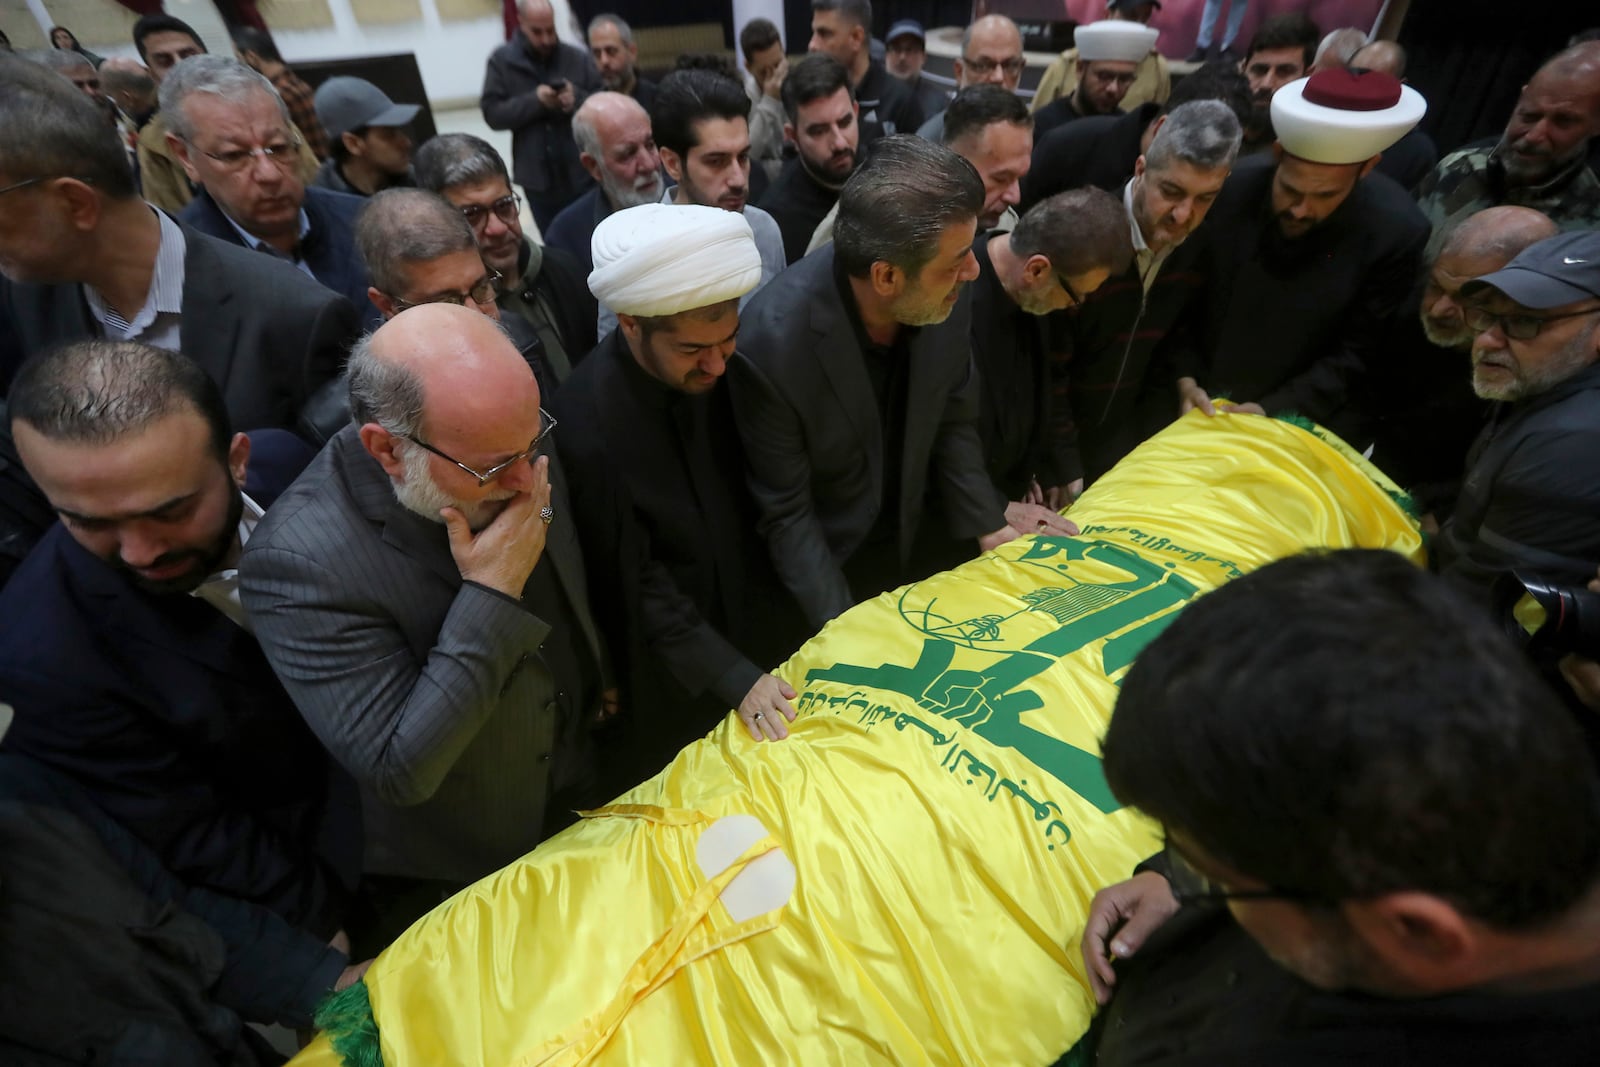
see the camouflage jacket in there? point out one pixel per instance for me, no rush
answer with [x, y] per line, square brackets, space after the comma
[1472, 179]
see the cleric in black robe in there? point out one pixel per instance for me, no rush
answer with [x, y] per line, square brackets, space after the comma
[1314, 255]
[644, 417]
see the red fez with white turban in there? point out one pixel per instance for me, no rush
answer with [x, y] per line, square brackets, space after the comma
[1340, 116]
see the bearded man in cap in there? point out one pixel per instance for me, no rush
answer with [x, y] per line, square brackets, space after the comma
[1313, 254]
[1531, 491]
[1109, 54]
[645, 417]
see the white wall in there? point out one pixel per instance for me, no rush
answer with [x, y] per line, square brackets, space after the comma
[451, 55]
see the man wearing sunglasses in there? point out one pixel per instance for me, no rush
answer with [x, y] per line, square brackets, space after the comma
[1531, 493]
[422, 595]
[540, 284]
[1379, 849]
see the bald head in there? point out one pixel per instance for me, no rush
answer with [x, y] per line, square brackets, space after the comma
[1337, 47]
[989, 46]
[467, 369]
[1500, 232]
[1557, 112]
[1480, 244]
[1385, 56]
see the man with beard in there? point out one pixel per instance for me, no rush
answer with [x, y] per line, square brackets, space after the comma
[539, 284]
[990, 128]
[1422, 412]
[905, 51]
[1109, 53]
[842, 29]
[1102, 150]
[854, 389]
[646, 409]
[1530, 494]
[822, 114]
[1152, 82]
[1117, 388]
[1313, 256]
[1063, 249]
[702, 131]
[616, 56]
[126, 653]
[1541, 159]
[618, 150]
[991, 54]
[1383, 836]
[421, 592]
[532, 87]
[230, 131]
[1281, 51]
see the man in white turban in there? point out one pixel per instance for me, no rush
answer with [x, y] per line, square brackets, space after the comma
[1315, 256]
[643, 418]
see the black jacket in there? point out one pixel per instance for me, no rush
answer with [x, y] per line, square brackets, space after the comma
[710, 615]
[167, 713]
[1292, 324]
[798, 203]
[329, 247]
[544, 157]
[814, 437]
[1531, 497]
[1099, 151]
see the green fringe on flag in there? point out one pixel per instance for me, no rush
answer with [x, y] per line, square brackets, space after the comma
[346, 1017]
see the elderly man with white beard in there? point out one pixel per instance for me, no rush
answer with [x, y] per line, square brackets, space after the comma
[422, 596]
[618, 149]
[1531, 492]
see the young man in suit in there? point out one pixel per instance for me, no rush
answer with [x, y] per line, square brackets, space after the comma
[136, 672]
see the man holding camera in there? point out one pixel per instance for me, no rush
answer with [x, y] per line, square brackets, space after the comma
[1531, 498]
[533, 85]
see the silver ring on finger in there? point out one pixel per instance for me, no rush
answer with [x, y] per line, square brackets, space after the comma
[758, 715]
[548, 514]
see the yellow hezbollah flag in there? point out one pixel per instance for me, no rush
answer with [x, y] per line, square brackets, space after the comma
[904, 880]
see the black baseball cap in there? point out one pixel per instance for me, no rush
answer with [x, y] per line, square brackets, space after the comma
[1559, 270]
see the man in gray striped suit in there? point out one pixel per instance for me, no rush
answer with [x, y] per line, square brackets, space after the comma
[424, 602]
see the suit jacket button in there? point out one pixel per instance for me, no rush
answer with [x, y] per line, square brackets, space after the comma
[545, 758]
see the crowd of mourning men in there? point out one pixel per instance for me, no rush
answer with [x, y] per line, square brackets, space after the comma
[353, 536]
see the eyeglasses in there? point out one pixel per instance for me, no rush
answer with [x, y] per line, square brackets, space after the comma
[505, 209]
[983, 65]
[483, 292]
[279, 153]
[1189, 886]
[547, 425]
[1516, 327]
[41, 178]
[1077, 301]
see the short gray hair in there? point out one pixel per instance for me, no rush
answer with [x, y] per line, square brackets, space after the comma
[58, 59]
[584, 133]
[624, 31]
[222, 76]
[897, 205]
[1201, 133]
[451, 159]
[383, 391]
[51, 129]
[402, 226]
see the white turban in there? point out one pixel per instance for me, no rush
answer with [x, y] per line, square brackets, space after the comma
[1114, 39]
[660, 259]
[1338, 116]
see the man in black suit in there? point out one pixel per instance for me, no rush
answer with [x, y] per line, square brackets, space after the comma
[854, 389]
[82, 256]
[137, 673]
[231, 133]
[644, 414]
